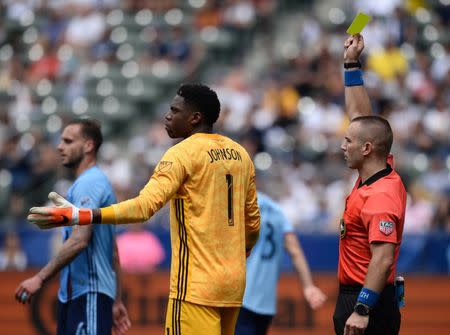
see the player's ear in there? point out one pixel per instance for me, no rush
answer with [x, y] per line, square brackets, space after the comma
[89, 146]
[367, 148]
[196, 118]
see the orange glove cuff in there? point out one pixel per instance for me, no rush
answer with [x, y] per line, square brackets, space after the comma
[85, 216]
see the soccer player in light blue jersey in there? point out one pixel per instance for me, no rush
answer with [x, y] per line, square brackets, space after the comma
[89, 294]
[263, 270]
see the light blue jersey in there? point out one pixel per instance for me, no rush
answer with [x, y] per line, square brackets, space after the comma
[264, 263]
[92, 271]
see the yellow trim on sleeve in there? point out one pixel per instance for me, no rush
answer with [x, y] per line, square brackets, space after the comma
[108, 214]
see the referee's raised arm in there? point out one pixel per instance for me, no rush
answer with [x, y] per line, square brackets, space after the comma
[357, 101]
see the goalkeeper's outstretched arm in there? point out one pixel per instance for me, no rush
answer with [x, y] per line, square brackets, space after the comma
[66, 214]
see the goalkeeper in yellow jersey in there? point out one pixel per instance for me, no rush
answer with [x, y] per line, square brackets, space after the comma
[214, 216]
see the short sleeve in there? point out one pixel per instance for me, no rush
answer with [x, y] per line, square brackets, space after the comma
[88, 193]
[286, 224]
[380, 216]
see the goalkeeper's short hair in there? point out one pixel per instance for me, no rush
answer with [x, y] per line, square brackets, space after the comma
[203, 99]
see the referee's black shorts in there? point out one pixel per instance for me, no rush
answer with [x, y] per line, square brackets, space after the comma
[384, 318]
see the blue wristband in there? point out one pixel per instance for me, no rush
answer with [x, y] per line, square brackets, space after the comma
[353, 78]
[368, 297]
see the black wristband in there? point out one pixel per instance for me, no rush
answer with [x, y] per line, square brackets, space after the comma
[352, 65]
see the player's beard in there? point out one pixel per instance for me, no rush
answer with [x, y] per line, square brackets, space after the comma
[74, 161]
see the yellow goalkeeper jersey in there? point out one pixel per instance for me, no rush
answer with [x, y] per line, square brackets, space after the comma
[214, 216]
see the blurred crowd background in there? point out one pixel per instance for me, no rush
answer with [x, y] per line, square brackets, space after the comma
[277, 67]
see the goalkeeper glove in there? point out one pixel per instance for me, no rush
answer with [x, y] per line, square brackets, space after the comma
[64, 214]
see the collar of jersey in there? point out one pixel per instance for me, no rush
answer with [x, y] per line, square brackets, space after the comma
[376, 176]
[209, 135]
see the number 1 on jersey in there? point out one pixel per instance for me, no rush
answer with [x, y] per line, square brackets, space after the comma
[230, 199]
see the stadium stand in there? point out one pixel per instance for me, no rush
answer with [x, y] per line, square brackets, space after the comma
[276, 68]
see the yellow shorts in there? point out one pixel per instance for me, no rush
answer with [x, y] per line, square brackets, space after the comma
[185, 318]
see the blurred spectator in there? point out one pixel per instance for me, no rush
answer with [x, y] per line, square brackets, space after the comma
[12, 258]
[209, 15]
[324, 117]
[17, 160]
[140, 251]
[176, 47]
[236, 101]
[17, 84]
[16, 10]
[436, 178]
[47, 67]
[419, 212]
[55, 27]
[86, 19]
[441, 65]
[117, 169]
[321, 221]
[419, 81]
[239, 14]
[437, 121]
[239, 17]
[44, 172]
[441, 219]
[104, 49]
[388, 62]
[379, 7]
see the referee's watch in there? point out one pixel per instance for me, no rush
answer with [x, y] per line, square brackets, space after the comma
[361, 309]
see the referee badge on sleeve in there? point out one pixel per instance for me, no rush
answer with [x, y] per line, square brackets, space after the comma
[342, 228]
[386, 227]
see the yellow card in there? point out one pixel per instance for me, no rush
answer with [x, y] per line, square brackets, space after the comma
[358, 23]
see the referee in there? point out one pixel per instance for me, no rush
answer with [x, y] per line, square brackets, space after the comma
[372, 224]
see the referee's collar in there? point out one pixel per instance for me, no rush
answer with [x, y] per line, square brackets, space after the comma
[376, 176]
